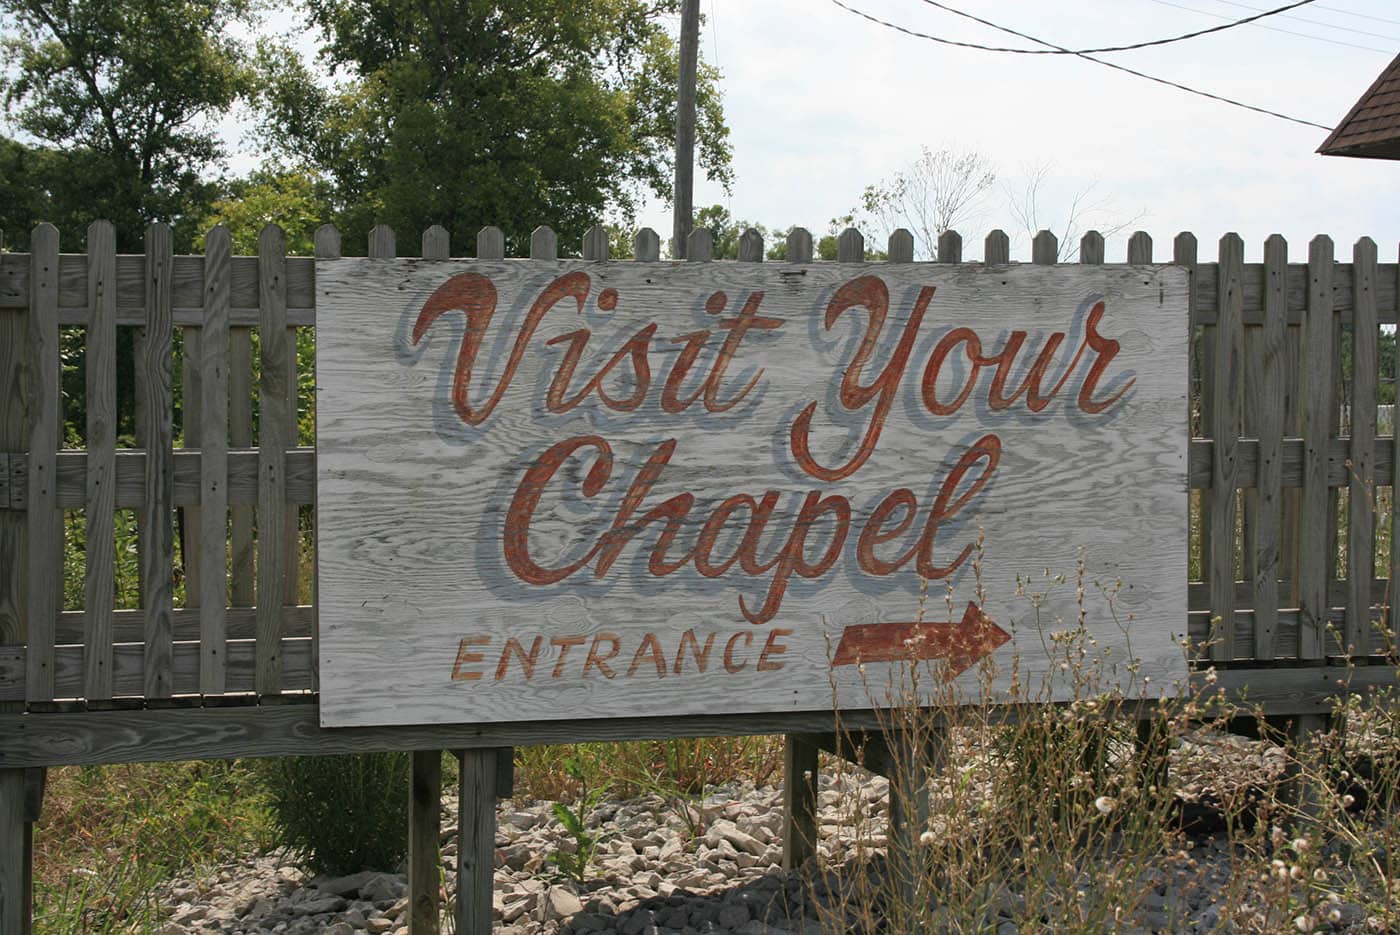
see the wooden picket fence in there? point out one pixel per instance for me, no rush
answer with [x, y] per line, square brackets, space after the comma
[1289, 534]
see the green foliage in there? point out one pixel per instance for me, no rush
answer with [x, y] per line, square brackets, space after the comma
[341, 814]
[296, 201]
[109, 834]
[122, 98]
[475, 112]
[573, 862]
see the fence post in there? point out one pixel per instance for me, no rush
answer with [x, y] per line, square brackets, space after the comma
[476, 840]
[15, 871]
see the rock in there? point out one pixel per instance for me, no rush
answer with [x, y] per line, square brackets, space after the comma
[319, 905]
[732, 916]
[382, 887]
[561, 903]
[344, 886]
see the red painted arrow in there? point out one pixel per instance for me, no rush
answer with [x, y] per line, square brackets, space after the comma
[959, 644]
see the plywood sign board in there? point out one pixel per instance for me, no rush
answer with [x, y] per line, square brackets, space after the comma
[574, 490]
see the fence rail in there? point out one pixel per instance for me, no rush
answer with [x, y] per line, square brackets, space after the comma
[1293, 493]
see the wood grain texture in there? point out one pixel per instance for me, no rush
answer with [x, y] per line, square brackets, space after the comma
[850, 246]
[799, 245]
[1091, 248]
[15, 879]
[44, 521]
[544, 243]
[646, 246]
[240, 428]
[1140, 248]
[1393, 596]
[901, 246]
[154, 416]
[800, 786]
[87, 737]
[490, 244]
[99, 549]
[424, 827]
[595, 243]
[239, 623]
[1314, 561]
[1361, 500]
[213, 467]
[1226, 423]
[476, 840]
[1267, 540]
[997, 248]
[437, 244]
[699, 247]
[382, 243]
[273, 436]
[1045, 249]
[950, 247]
[14, 438]
[325, 245]
[412, 499]
[751, 246]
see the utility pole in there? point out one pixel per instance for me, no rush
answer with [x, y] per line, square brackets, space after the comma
[684, 195]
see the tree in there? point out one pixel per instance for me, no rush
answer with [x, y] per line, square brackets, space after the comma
[121, 98]
[937, 192]
[1084, 211]
[473, 112]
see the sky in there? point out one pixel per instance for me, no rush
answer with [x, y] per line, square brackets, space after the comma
[822, 103]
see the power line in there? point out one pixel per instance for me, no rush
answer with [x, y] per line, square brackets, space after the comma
[1317, 22]
[1379, 19]
[1063, 51]
[1056, 50]
[1288, 32]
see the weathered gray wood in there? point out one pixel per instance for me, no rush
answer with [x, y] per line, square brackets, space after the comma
[382, 243]
[1140, 248]
[646, 246]
[490, 244]
[437, 243]
[325, 245]
[45, 533]
[1225, 419]
[1361, 501]
[154, 417]
[850, 246]
[1269, 422]
[239, 623]
[901, 246]
[213, 468]
[997, 248]
[424, 827]
[16, 882]
[1393, 592]
[800, 787]
[799, 245]
[751, 246]
[595, 243]
[189, 283]
[99, 551]
[402, 520]
[240, 429]
[1045, 248]
[700, 246]
[950, 247]
[86, 737]
[476, 840]
[544, 243]
[191, 427]
[1200, 376]
[14, 437]
[1091, 248]
[273, 438]
[1314, 560]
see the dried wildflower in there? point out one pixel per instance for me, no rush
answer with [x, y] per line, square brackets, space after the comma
[1105, 804]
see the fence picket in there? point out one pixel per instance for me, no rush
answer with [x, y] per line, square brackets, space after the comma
[799, 245]
[155, 413]
[950, 247]
[544, 243]
[1225, 417]
[997, 248]
[1315, 563]
[273, 437]
[751, 246]
[490, 244]
[437, 244]
[1140, 248]
[646, 246]
[595, 243]
[1045, 249]
[100, 389]
[850, 246]
[1361, 542]
[699, 247]
[44, 522]
[1266, 541]
[901, 246]
[213, 463]
[1091, 249]
[240, 436]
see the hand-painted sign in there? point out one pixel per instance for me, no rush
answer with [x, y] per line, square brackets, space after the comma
[566, 490]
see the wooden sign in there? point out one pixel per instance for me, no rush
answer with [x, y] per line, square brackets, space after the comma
[575, 490]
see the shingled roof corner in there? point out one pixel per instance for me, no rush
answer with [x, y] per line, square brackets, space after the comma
[1372, 129]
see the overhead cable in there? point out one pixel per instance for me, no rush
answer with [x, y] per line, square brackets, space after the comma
[1063, 51]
